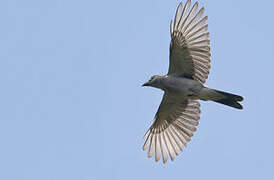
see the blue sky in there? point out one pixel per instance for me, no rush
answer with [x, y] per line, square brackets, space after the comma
[72, 106]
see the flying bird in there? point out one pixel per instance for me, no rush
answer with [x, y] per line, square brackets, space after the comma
[189, 63]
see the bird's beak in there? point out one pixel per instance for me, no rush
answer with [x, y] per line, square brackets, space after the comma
[146, 84]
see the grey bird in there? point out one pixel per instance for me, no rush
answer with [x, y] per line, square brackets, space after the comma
[179, 112]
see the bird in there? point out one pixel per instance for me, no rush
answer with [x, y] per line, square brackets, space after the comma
[178, 115]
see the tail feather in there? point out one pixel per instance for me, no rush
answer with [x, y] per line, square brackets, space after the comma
[229, 95]
[225, 98]
[230, 99]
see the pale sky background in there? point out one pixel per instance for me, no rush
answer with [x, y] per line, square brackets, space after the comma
[72, 105]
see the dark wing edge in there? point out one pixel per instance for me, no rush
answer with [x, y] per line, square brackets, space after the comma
[190, 44]
[173, 127]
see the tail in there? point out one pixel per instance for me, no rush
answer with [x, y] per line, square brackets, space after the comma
[225, 98]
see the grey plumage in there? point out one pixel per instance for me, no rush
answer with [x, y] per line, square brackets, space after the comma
[179, 112]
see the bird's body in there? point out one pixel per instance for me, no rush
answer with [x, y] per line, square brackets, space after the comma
[180, 86]
[179, 112]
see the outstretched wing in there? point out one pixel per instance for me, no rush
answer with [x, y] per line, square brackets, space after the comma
[190, 45]
[174, 124]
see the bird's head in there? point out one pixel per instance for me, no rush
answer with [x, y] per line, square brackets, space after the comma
[154, 81]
